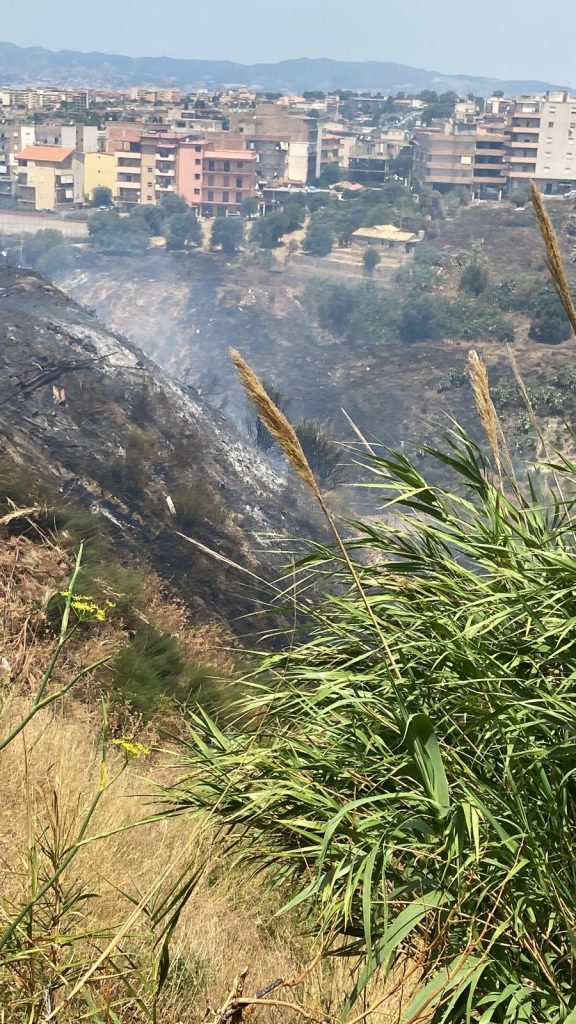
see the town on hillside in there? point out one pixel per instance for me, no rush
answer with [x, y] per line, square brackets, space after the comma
[239, 151]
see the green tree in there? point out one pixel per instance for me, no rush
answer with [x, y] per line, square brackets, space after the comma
[102, 196]
[173, 203]
[422, 319]
[184, 229]
[370, 258]
[319, 238]
[267, 231]
[549, 321]
[119, 234]
[249, 207]
[228, 233]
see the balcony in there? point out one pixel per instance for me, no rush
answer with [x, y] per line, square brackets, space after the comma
[132, 182]
[128, 160]
[521, 128]
[165, 171]
[531, 160]
[520, 144]
[166, 156]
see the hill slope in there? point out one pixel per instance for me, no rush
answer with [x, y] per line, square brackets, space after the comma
[102, 426]
[20, 65]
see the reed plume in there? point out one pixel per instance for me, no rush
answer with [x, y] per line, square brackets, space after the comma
[554, 256]
[275, 421]
[284, 432]
[485, 406]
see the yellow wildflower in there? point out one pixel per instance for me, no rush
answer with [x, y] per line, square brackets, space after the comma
[131, 747]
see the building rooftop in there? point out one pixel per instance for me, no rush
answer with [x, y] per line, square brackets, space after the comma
[385, 232]
[47, 154]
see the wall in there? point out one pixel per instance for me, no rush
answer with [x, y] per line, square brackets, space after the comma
[99, 170]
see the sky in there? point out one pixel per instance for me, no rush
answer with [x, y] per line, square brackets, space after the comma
[516, 39]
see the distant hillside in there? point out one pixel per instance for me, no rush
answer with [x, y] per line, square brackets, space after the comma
[35, 65]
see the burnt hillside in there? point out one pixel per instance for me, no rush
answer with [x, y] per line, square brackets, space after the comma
[87, 416]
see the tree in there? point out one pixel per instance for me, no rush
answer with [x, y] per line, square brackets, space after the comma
[421, 319]
[371, 258]
[267, 231]
[173, 203]
[153, 217]
[549, 322]
[119, 234]
[184, 229]
[102, 196]
[474, 279]
[319, 239]
[227, 232]
[249, 207]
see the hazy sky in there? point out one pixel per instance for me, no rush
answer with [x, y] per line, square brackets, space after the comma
[515, 39]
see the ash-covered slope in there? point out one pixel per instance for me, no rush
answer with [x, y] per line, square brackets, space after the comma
[98, 420]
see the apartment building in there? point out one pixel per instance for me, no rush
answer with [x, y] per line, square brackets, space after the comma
[295, 138]
[515, 142]
[229, 177]
[213, 177]
[542, 143]
[49, 178]
[473, 158]
[7, 183]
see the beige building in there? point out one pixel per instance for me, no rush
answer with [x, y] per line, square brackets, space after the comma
[474, 158]
[49, 178]
[542, 143]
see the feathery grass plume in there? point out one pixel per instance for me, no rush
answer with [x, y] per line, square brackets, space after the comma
[275, 421]
[554, 256]
[284, 432]
[484, 404]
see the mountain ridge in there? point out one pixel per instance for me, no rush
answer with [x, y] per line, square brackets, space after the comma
[40, 66]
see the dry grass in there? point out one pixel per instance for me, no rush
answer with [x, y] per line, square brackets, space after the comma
[229, 923]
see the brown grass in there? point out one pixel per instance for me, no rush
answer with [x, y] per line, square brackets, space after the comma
[229, 923]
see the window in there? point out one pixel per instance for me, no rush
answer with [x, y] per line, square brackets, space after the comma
[197, 162]
[238, 197]
[196, 191]
[210, 179]
[239, 164]
[226, 180]
[198, 149]
[225, 197]
[210, 196]
[211, 165]
[238, 182]
[550, 124]
[226, 165]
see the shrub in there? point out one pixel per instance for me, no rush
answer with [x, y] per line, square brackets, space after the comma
[37, 247]
[411, 780]
[474, 279]
[198, 509]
